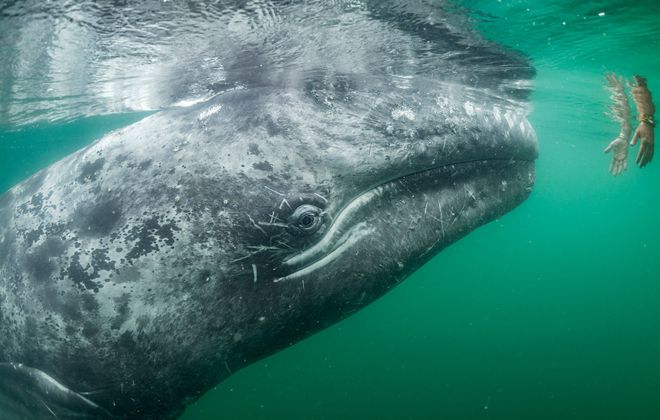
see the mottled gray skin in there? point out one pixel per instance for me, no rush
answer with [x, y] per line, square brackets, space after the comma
[141, 271]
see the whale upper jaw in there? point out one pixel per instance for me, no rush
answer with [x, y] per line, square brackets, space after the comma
[449, 201]
[488, 164]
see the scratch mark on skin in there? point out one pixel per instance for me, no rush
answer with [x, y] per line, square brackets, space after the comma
[403, 184]
[281, 225]
[48, 408]
[442, 225]
[273, 217]
[426, 205]
[285, 202]
[362, 296]
[442, 228]
[435, 218]
[243, 258]
[252, 254]
[284, 244]
[321, 197]
[256, 225]
[470, 192]
[276, 236]
[454, 219]
[273, 191]
[261, 248]
[254, 272]
[459, 212]
[257, 249]
[228, 369]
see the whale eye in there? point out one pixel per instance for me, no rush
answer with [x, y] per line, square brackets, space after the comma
[306, 218]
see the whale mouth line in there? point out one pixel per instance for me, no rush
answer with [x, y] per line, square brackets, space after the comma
[340, 238]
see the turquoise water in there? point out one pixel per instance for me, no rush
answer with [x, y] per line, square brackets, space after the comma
[551, 312]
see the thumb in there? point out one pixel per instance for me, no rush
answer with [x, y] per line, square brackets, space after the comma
[635, 137]
[610, 146]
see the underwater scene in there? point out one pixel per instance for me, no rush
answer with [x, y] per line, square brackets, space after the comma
[208, 210]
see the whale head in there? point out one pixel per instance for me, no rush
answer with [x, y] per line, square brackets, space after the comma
[305, 158]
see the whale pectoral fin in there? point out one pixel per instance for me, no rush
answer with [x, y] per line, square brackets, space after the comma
[29, 393]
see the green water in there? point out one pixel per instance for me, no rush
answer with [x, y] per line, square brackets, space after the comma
[552, 312]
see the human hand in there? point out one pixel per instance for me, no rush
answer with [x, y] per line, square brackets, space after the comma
[619, 147]
[615, 83]
[644, 133]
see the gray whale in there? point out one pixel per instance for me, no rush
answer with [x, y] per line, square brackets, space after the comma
[341, 148]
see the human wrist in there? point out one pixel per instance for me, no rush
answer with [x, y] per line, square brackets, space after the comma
[648, 119]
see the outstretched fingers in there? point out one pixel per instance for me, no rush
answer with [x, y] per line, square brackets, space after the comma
[620, 167]
[648, 156]
[643, 155]
[640, 154]
[611, 79]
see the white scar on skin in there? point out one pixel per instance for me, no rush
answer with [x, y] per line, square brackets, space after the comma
[347, 242]
[336, 230]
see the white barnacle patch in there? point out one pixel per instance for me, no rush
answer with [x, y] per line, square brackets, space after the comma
[510, 118]
[204, 115]
[497, 114]
[403, 113]
[469, 108]
[185, 103]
